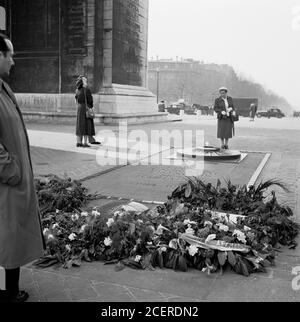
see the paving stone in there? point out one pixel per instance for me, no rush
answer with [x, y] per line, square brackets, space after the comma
[57, 296]
[26, 276]
[83, 294]
[142, 295]
[76, 283]
[252, 290]
[113, 293]
[48, 282]
[183, 299]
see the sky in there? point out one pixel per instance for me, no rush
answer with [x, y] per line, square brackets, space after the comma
[259, 38]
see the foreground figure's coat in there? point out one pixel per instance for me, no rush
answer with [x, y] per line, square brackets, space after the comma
[21, 237]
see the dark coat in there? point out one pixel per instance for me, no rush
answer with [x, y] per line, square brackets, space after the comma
[21, 236]
[225, 124]
[84, 126]
[253, 111]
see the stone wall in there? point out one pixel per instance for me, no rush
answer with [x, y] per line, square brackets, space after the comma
[34, 32]
[130, 36]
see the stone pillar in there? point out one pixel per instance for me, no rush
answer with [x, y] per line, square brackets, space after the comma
[123, 91]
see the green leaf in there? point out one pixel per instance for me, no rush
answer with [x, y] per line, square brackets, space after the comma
[231, 258]
[222, 257]
[188, 190]
[68, 264]
[76, 262]
[182, 264]
[244, 267]
[132, 228]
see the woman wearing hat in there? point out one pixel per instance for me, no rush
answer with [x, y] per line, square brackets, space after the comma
[85, 128]
[225, 109]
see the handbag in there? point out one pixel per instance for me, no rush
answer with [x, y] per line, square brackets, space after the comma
[90, 112]
[235, 118]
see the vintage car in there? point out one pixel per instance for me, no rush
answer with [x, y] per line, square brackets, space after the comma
[272, 112]
[176, 108]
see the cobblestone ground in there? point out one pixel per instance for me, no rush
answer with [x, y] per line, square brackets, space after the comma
[96, 282]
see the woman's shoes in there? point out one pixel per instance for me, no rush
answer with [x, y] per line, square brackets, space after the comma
[80, 145]
[20, 297]
[224, 147]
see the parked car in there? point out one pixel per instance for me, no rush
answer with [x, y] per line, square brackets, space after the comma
[272, 112]
[190, 110]
[176, 108]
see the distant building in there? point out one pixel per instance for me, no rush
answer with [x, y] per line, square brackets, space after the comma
[187, 79]
[198, 83]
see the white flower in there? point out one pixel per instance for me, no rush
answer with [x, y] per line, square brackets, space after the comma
[96, 213]
[140, 221]
[208, 223]
[50, 237]
[82, 229]
[55, 226]
[75, 217]
[246, 228]
[138, 258]
[193, 250]
[210, 238]
[188, 222]
[190, 230]
[223, 227]
[240, 236]
[46, 231]
[108, 242]
[163, 249]
[84, 214]
[173, 244]
[72, 237]
[118, 213]
[160, 230]
[68, 248]
[110, 222]
[152, 228]
[57, 211]
[149, 243]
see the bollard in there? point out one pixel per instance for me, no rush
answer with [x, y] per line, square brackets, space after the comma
[2, 279]
[181, 113]
[199, 113]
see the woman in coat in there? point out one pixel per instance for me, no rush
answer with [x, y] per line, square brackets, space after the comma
[85, 126]
[21, 236]
[253, 111]
[225, 110]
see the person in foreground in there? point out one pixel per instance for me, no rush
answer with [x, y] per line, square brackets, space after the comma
[21, 236]
[225, 110]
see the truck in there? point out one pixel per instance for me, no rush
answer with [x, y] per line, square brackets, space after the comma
[242, 105]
